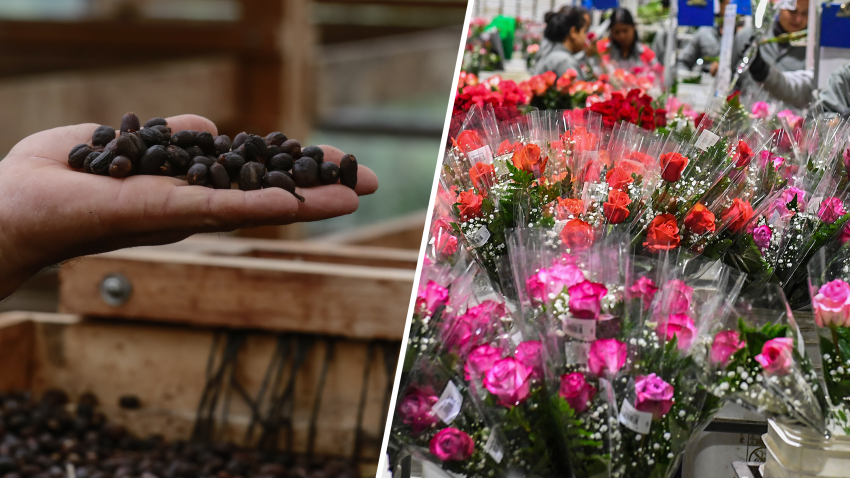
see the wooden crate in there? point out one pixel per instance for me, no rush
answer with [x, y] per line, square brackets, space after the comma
[329, 289]
[165, 366]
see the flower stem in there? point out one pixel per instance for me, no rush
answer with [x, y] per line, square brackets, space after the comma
[834, 331]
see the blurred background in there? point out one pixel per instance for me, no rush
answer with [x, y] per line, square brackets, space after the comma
[283, 339]
[372, 77]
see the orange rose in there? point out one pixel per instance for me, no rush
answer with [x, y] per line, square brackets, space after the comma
[469, 204]
[631, 166]
[700, 220]
[549, 77]
[672, 165]
[618, 178]
[737, 215]
[616, 209]
[643, 158]
[577, 234]
[468, 141]
[528, 159]
[481, 175]
[663, 234]
[567, 207]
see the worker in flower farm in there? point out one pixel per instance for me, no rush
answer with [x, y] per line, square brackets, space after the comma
[52, 211]
[625, 50]
[567, 33]
[704, 44]
[507, 29]
[545, 44]
[779, 48]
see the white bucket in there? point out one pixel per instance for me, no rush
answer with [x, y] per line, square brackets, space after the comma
[797, 452]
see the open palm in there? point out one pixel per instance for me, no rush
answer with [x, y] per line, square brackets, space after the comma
[50, 212]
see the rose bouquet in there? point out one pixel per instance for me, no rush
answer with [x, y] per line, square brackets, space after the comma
[829, 273]
[634, 107]
[548, 92]
[758, 361]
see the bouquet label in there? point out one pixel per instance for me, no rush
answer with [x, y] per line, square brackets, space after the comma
[634, 420]
[480, 155]
[706, 140]
[479, 237]
[582, 329]
[448, 406]
[493, 447]
[559, 226]
[576, 352]
[516, 336]
[606, 387]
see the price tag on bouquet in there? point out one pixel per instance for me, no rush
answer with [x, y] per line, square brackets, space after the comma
[493, 447]
[481, 155]
[447, 407]
[576, 353]
[706, 140]
[634, 420]
[582, 329]
[479, 237]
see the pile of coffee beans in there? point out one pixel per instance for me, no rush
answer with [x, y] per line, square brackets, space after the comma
[40, 439]
[253, 162]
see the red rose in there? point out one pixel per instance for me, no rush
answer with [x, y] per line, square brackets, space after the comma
[734, 99]
[528, 159]
[660, 118]
[737, 215]
[700, 220]
[577, 234]
[703, 118]
[616, 209]
[481, 175]
[567, 207]
[672, 165]
[618, 178]
[744, 155]
[663, 234]
[469, 204]
[468, 141]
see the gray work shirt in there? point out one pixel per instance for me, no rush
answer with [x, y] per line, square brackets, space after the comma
[782, 55]
[704, 43]
[559, 60]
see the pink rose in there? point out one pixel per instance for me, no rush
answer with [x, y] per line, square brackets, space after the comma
[725, 345]
[508, 381]
[675, 299]
[793, 120]
[552, 281]
[415, 409]
[480, 361]
[645, 289]
[586, 299]
[431, 297]
[654, 395]
[483, 314]
[680, 326]
[760, 110]
[576, 391]
[847, 159]
[761, 236]
[529, 353]
[451, 444]
[457, 335]
[832, 304]
[606, 357]
[844, 235]
[776, 356]
[787, 196]
[831, 209]
[445, 245]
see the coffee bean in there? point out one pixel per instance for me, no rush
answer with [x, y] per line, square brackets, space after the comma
[314, 152]
[277, 138]
[91, 157]
[121, 167]
[219, 179]
[179, 159]
[251, 176]
[166, 133]
[205, 160]
[153, 160]
[292, 147]
[184, 138]
[239, 140]
[255, 148]
[306, 173]
[130, 122]
[103, 135]
[328, 173]
[274, 151]
[199, 174]
[156, 122]
[232, 163]
[280, 162]
[206, 142]
[77, 156]
[130, 145]
[348, 171]
[101, 164]
[222, 144]
[151, 136]
[194, 151]
[280, 179]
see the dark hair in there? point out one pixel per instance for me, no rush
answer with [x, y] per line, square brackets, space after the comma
[621, 15]
[558, 25]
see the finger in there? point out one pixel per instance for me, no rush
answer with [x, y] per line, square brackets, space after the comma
[324, 202]
[367, 181]
[191, 122]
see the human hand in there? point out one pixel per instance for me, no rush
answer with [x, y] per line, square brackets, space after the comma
[713, 68]
[50, 212]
